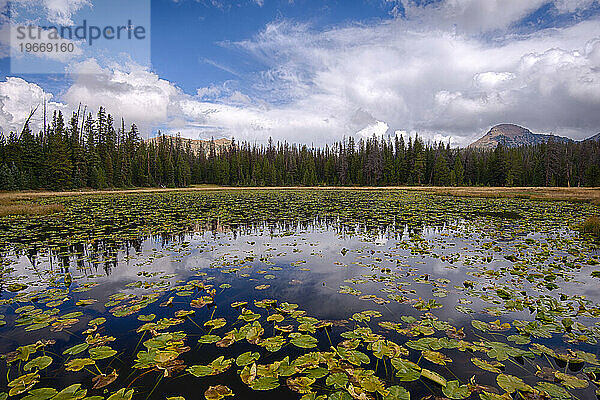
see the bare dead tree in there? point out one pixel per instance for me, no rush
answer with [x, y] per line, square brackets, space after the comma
[83, 120]
[31, 112]
[44, 117]
[77, 116]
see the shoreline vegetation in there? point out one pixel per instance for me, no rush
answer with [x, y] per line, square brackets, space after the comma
[574, 194]
[21, 202]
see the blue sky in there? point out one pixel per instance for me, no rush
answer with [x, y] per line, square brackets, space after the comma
[189, 37]
[197, 32]
[315, 71]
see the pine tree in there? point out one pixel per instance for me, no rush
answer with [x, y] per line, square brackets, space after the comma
[419, 161]
[458, 169]
[497, 166]
[59, 161]
[441, 174]
[91, 154]
[32, 162]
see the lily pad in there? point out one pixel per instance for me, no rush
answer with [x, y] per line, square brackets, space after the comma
[39, 363]
[247, 358]
[101, 352]
[217, 392]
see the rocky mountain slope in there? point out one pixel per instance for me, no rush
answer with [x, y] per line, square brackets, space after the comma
[513, 136]
[198, 145]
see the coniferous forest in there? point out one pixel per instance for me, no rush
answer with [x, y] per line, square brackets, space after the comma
[92, 152]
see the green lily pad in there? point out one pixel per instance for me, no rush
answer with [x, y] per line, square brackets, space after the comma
[97, 321]
[338, 380]
[302, 340]
[207, 339]
[265, 383]
[73, 392]
[78, 364]
[41, 394]
[511, 383]
[76, 349]
[39, 363]
[316, 373]
[455, 390]
[495, 366]
[215, 323]
[247, 358]
[436, 357]
[553, 390]
[433, 376]
[101, 352]
[122, 394]
[340, 395]
[23, 383]
[397, 393]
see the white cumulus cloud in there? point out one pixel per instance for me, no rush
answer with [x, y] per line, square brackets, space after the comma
[129, 91]
[18, 98]
[59, 12]
[378, 129]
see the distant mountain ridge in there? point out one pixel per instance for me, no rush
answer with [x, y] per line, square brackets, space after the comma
[511, 135]
[196, 144]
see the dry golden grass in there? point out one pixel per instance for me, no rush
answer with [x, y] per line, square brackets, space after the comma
[9, 207]
[592, 225]
[574, 194]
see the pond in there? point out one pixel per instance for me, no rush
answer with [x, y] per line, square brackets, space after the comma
[346, 294]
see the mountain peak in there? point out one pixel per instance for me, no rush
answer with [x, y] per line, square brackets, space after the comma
[511, 135]
[508, 130]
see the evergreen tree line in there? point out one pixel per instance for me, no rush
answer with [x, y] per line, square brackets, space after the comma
[91, 152]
